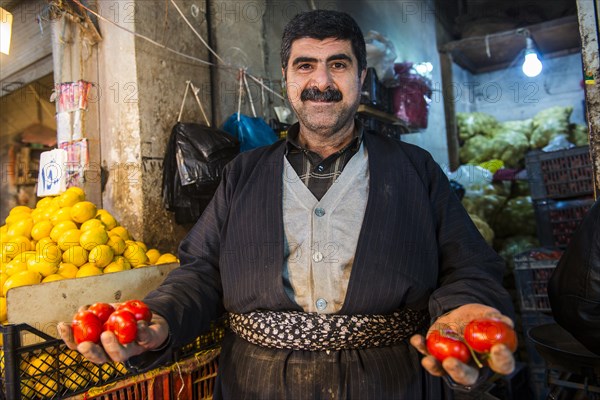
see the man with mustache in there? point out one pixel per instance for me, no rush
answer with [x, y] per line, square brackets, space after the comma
[333, 252]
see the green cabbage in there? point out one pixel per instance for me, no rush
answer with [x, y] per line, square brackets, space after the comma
[510, 147]
[521, 126]
[473, 124]
[476, 150]
[548, 123]
[579, 135]
[484, 201]
[516, 218]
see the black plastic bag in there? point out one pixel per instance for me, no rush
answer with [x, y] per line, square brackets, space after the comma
[193, 165]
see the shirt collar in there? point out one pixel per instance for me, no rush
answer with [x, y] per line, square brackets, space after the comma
[294, 130]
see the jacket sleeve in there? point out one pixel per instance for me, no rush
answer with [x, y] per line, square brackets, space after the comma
[191, 295]
[574, 287]
[470, 271]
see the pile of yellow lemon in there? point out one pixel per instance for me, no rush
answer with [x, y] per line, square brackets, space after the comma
[66, 237]
[40, 377]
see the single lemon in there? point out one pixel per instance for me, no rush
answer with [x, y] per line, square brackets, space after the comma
[37, 215]
[121, 231]
[67, 270]
[69, 238]
[41, 364]
[117, 243]
[44, 242]
[42, 266]
[44, 202]
[113, 267]
[153, 255]
[101, 255]
[19, 209]
[76, 255]
[41, 230]
[19, 263]
[82, 211]
[63, 214]
[68, 357]
[49, 211]
[21, 227]
[49, 253]
[122, 261]
[16, 217]
[68, 198]
[21, 279]
[92, 223]
[75, 379]
[89, 269]
[77, 190]
[142, 245]
[46, 387]
[61, 228]
[15, 246]
[53, 278]
[135, 255]
[93, 237]
[166, 259]
[107, 219]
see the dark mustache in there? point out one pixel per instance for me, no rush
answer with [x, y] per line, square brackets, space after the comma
[314, 94]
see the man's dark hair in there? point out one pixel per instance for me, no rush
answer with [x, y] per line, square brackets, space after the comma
[323, 24]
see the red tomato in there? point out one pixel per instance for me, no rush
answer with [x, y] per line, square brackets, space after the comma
[441, 347]
[137, 308]
[482, 334]
[86, 327]
[102, 310]
[123, 324]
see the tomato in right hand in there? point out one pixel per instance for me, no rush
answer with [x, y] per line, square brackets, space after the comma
[123, 324]
[442, 347]
[137, 308]
[86, 327]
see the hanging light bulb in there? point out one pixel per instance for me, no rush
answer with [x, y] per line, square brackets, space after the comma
[532, 66]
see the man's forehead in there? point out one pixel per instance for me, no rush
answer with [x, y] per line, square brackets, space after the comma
[310, 46]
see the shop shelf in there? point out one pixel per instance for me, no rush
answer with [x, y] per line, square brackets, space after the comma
[556, 221]
[533, 269]
[560, 174]
[47, 369]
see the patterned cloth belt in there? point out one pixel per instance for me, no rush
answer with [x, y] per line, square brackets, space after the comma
[297, 330]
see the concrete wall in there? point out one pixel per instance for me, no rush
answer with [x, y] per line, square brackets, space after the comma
[510, 95]
[141, 89]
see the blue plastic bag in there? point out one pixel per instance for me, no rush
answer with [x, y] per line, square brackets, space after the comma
[251, 132]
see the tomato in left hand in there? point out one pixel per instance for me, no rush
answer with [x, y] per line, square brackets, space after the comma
[123, 324]
[482, 334]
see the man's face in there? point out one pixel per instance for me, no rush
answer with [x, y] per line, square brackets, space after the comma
[323, 84]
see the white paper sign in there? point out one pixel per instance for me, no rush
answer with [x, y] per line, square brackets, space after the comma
[52, 179]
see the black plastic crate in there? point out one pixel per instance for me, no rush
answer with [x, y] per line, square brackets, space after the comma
[48, 369]
[529, 320]
[533, 269]
[560, 174]
[557, 221]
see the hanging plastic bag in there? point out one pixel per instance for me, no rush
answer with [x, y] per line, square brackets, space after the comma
[193, 165]
[251, 132]
[411, 96]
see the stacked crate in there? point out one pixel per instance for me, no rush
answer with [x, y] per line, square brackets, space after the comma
[533, 269]
[562, 188]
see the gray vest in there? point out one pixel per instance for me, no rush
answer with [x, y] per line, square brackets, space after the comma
[321, 236]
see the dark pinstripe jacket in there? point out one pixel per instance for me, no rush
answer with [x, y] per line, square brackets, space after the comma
[417, 247]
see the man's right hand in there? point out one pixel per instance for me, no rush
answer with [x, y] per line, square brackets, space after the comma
[149, 336]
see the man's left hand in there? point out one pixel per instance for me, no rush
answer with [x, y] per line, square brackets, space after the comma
[501, 358]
